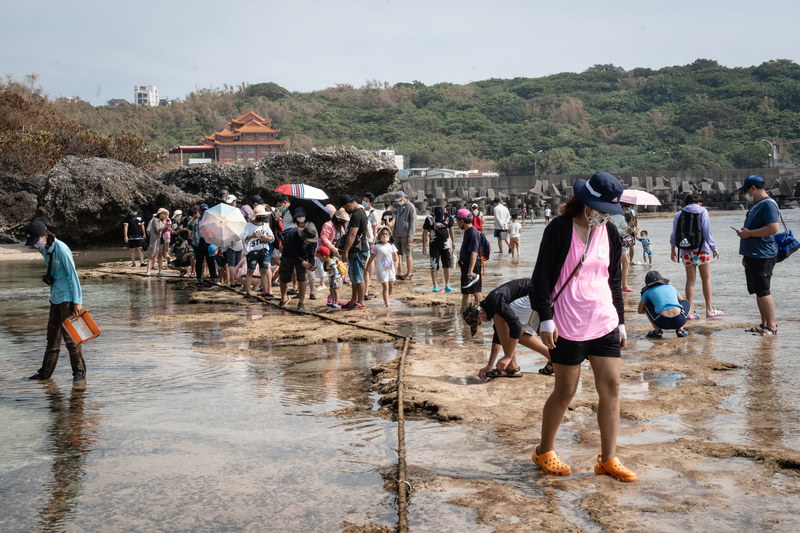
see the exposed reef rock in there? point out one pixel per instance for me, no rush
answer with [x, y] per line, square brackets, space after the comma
[335, 170]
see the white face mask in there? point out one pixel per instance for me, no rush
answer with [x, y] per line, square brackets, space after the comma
[300, 219]
[384, 238]
[749, 197]
[596, 218]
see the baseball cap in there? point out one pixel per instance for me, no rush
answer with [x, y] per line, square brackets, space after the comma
[323, 250]
[230, 199]
[399, 195]
[463, 213]
[203, 207]
[135, 207]
[474, 205]
[470, 316]
[256, 199]
[751, 180]
[345, 199]
[35, 230]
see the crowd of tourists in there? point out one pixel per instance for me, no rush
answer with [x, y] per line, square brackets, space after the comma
[570, 310]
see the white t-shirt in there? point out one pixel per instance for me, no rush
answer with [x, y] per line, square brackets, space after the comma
[514, 229]
[372, 220]
[385, 262]
[547, 212]
[255, 244]
[501, 217]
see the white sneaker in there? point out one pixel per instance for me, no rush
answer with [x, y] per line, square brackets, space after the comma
[471, 280]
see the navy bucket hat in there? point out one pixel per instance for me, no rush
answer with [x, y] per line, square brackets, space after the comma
[602, 192]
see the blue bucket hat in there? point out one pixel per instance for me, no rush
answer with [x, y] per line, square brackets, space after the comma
[211, 249]
[602, 192]
[751, 180]
[300, 212]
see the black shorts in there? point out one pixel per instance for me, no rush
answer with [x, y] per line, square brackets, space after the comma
[135, 243]
[445, 256]
[668, 322]
[758, 272]
[179, 263]
[573, 353]
[478, 286]
[289, 265]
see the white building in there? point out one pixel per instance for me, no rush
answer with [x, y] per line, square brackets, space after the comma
[145, 95]
[398, 159]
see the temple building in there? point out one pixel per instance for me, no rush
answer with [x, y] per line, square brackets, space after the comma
[246, 138]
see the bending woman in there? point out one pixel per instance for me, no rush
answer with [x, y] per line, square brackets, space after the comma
[587, 319]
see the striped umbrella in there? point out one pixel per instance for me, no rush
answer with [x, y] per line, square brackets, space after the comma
[298, 190]
[222, 225]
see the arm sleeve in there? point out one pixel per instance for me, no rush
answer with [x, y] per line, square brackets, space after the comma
[545, 262]
[674, 228]
[412, 222]
[77, 294]
[615, 271]
[705, 223]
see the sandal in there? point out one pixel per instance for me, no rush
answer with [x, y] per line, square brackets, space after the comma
[550, 463]
[655, 334]
[627, 289]
[694, 316]
[615, 469]
[680, 332]
[714, 313]
[756, 329]
[497, 373]
[283, 303]
[767, 331]
[547, 369]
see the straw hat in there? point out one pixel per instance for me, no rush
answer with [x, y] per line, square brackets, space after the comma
[162, 210]
[341, 214]
[260, 211]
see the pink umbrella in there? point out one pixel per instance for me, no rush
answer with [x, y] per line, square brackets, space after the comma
[634, 197]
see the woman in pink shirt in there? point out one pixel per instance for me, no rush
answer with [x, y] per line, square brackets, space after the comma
[577, 292]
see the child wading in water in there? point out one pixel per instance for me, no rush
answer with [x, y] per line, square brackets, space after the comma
[386, 255]
[647, 252]
[332, 267]
[514, 229]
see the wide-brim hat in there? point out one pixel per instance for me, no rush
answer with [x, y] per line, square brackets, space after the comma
[652, 279]
[35, 230]
[470, 316]
[602, 192]
[260, 211]
[309, 234]
[341, 214]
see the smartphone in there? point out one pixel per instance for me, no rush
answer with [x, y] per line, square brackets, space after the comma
[735, 229]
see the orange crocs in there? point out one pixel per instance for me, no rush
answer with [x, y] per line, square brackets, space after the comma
[550, 463]
[615, 469]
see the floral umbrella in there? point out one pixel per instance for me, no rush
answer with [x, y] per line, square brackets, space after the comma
[222, 225]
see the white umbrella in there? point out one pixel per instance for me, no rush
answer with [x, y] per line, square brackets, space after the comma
[634, 197]
[222, 225]
[299, 190]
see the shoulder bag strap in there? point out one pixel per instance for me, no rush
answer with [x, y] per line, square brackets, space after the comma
[577, 267]
[779, 214]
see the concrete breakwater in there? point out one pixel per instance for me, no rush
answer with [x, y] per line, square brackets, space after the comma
[717, 187]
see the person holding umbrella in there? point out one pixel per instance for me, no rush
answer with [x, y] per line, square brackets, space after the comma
[201, 247]
[66, 300]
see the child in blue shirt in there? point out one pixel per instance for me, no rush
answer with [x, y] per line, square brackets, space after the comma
[663, 305]
[647, 252]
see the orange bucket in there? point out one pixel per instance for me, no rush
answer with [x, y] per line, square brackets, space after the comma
[81, 328]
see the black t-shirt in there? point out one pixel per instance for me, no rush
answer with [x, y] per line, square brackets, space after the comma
[440, 232]
[358, 219]
[134, 223]
[497, 302]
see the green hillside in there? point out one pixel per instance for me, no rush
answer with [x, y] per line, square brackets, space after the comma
[691, 117]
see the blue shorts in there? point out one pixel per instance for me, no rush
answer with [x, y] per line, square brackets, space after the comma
[356, 261]
[672, 322]
[262, 263]
[648, 252]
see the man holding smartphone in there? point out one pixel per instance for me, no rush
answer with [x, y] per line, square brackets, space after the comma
[759, 251]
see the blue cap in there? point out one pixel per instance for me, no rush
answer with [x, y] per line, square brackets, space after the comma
[203, 207]
[211, 249]
[602, 192]
[751, 180]
[300, 212]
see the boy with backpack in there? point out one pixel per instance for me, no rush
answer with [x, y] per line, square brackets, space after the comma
[442, 244]
[469, 258]
[335, 270]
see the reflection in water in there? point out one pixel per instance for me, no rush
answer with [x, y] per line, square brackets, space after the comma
[765, 407]
[72, 432]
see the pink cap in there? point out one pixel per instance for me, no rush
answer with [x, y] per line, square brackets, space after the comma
[463, 213]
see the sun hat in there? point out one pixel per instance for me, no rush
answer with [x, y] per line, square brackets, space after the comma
[751, 180]
[35, 230]
[463, 214]
[260, 211]
[176, 213]
[602, 192]
[470, 316]
[341, 214]
[299, 212]
[211, 249]
[323, 250]
[399, 195]
[474, 205]
[652, 279]
[162, 210]
[230, 199]
[309, 234]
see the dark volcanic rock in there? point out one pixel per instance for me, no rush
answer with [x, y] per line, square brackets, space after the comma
[18, 201]
[335, 170]
[85, 200]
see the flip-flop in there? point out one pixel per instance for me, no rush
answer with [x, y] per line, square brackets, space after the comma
[550, 463]
[614, 468]
[656, 334]
[283, 303]
[544, 370]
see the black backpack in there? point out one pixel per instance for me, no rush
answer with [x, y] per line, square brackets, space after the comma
[486, 247]
[688, 233]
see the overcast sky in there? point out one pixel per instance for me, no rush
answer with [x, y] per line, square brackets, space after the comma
[99, 50]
